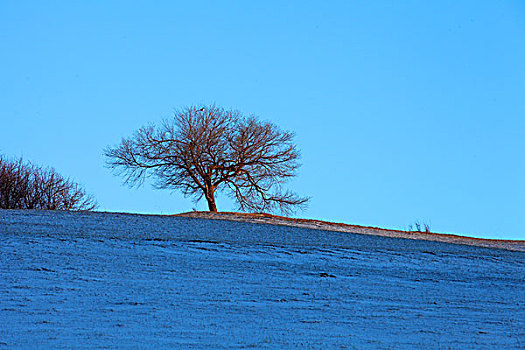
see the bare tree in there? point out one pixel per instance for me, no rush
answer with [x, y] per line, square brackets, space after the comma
[26, 186]
[207, 149]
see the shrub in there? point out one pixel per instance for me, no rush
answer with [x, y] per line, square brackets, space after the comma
[418, 227]
[27, 186]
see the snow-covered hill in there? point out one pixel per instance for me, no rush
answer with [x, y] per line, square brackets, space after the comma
[98, 280]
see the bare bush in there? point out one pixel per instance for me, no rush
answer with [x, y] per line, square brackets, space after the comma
[419, 227]
[207, 149]
[26, 186]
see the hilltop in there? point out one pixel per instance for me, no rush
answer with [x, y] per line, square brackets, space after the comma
[264, 218]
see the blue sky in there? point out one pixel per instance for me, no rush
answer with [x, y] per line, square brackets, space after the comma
[403, 110]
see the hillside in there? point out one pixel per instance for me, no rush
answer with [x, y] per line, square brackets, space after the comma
[116, 280]
[263, 218]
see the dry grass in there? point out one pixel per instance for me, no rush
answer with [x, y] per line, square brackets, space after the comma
[264, 218]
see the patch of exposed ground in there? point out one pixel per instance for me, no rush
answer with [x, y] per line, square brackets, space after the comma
[263, 218]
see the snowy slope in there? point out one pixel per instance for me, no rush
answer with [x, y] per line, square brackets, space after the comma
[95, 280]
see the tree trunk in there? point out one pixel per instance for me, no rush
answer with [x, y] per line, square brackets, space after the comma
[211, 206]
[210, 197]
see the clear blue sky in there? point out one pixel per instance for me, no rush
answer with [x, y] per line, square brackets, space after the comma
[403, 110]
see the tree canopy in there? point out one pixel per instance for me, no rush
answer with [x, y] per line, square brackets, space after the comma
[202, 150]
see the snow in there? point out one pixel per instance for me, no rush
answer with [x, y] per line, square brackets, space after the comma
[99, 280]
